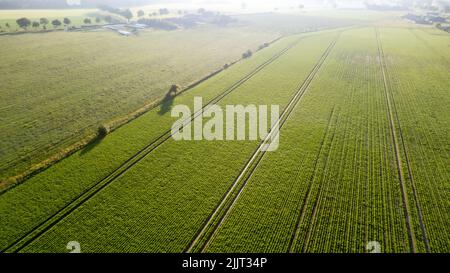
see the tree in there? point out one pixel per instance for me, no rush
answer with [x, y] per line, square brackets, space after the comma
[7, 25]
[247, 54]
[103, 130]
[163, 11]
[98, 20]
[44, 21]
[23, 22]
[263, 46]
[36, 24]
[56, 23]
[87, 21]
[140, 13]
[67, 21]
[128, 14]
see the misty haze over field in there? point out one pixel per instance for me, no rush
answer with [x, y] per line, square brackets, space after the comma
[237, 4]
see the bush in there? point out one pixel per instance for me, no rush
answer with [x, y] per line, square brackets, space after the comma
[103, 130]
[23, 22]
[263, 46]
[163, 11]
[56, 23]
[44, 21]
[67, 21]
[247, 54]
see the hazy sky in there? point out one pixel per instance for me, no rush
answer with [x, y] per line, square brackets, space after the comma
[294, 3]
[253, 4]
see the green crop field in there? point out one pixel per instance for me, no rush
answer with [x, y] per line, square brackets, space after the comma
[363, 154]
[58, 86]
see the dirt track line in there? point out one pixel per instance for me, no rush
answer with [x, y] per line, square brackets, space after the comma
[390, 106]
[227, 202]
[393, 112]
[130, 162]
[308, 192]
[323, 183]
[398, 160]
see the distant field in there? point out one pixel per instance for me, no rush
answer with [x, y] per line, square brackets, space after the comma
[38, 13]
[363, 157]
[288, 23]
[57, 87]
[360, 15]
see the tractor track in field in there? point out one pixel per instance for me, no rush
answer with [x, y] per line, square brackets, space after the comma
[313, 175]
[393, 118]
[207, 231]
[55, 218]
[317, 202]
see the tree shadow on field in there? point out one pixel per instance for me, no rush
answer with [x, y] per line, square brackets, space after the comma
[167, 102]
[91, 145]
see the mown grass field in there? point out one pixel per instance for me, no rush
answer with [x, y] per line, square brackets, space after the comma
[58, 87]
[363, 157]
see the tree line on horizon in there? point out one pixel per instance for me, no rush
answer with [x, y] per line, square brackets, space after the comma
[57, 4]
[43, 22]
